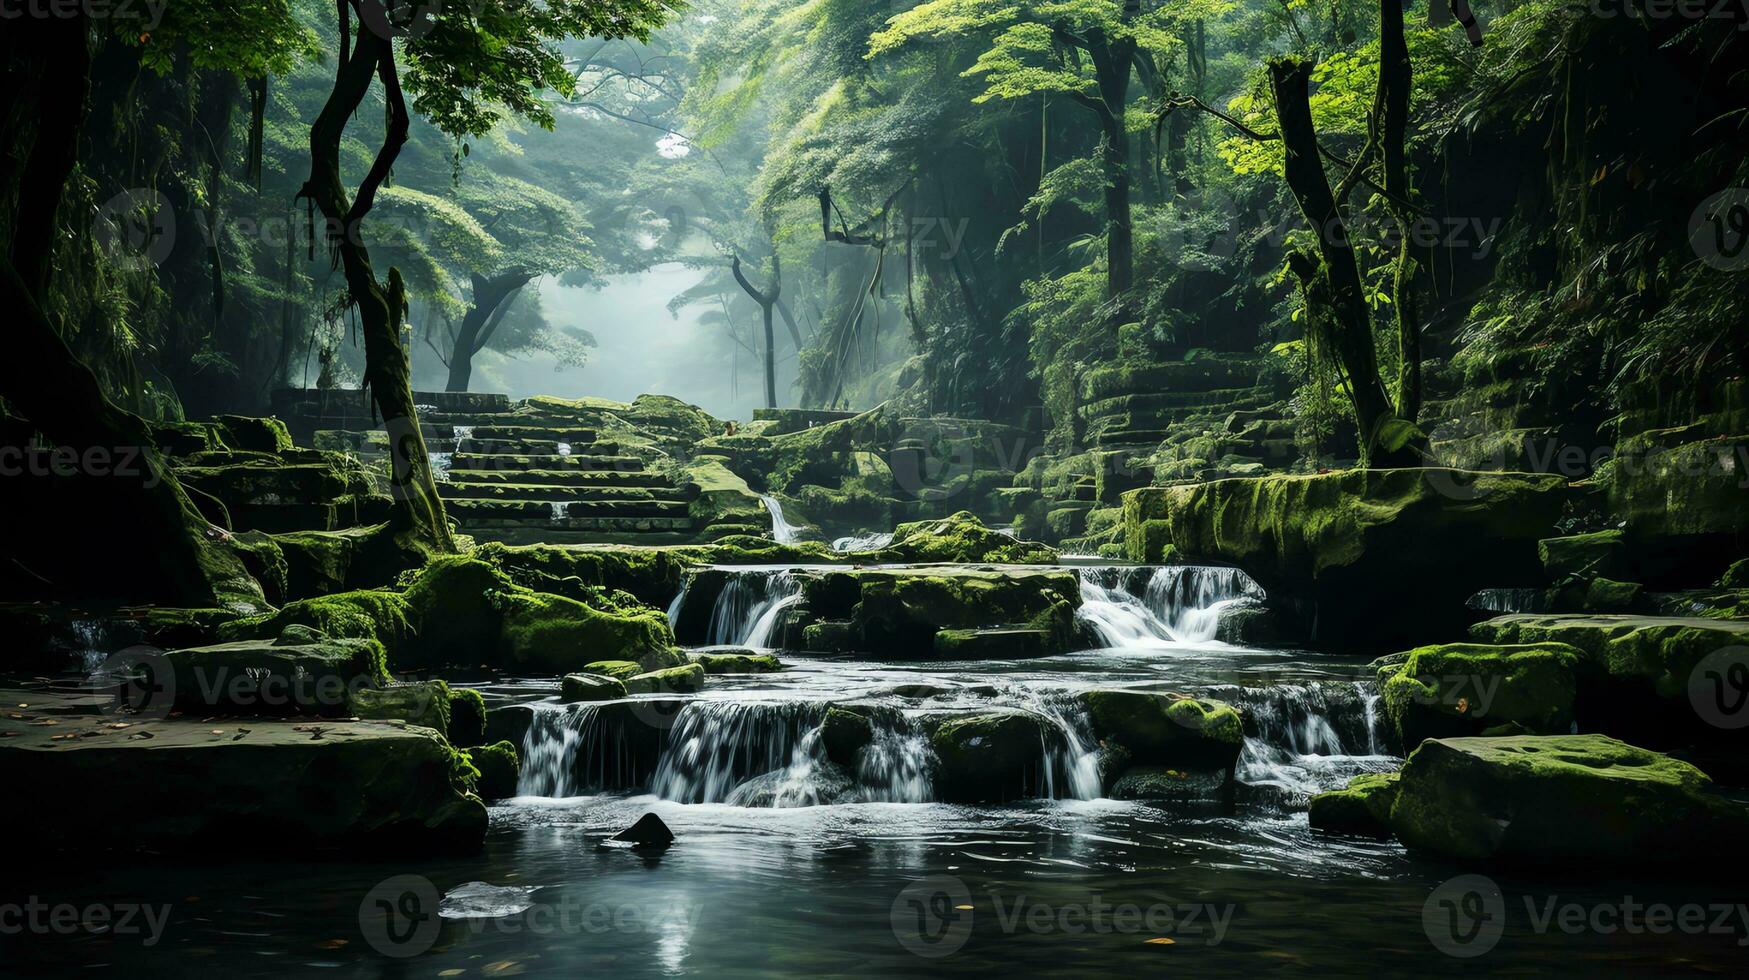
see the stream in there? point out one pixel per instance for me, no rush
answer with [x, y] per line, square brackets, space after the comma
[780, 864]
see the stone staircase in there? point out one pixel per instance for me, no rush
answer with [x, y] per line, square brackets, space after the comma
[531, 472]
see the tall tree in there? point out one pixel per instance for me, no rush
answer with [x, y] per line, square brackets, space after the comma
[468, 69]
[766, 300]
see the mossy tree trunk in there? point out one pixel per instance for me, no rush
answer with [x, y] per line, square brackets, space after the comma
[1332, 278]
[418, 521]
[166, 552]
[1396, 76]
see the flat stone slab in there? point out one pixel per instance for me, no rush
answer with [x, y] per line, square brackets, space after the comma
[97, 781]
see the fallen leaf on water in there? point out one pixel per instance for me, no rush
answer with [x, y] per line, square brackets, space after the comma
[450, 973]
[331, 944]
[1162, 941]
[9, 733]
[503, 968]
[218, 731]
[142, 735]
[963, 908]
[45, 721]
[61, 738]
[121, 724]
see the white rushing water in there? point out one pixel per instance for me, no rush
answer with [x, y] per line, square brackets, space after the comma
[750, 608]
[873, 541]
[1177, 604]
[1310, 737]
[559, 510]
[782, 530]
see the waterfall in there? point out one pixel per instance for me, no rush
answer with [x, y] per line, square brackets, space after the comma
[716, 747]
[1303, 739]
[751, 607]
[679, 600]
[549, 750]
[872, 541]
[894, 768]
[564, 449]
[1071, 759]
[559, 510]
[1178, 603]
[1509, 601]
[783, 531]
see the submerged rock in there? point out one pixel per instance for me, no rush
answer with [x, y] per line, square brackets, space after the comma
[1362, 808]
[590, 687]
[1586, 803]
[649, 831]
[479, 900]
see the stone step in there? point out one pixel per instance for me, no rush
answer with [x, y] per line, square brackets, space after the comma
[508, 462]
[517, 491]
[562, 478]
[524, 511]
[549, 433]
[537, 447]
[1157, 401]
[1203, 374]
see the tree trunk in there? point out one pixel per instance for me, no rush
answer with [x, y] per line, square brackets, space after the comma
[766, 301]
[418, 521]
[1396, 76]
[1385, 439]
[491, 301]
[1119, 236]
[770, 359]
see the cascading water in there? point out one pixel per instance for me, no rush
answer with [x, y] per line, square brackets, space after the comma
[750, 608]
[717, 749]
[560, 510]
[1303, 739]
[782, 530]
[873, 541]
[1178, 603]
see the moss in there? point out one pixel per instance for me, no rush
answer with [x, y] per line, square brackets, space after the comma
[1167, 729]
[591, 687]
[372, 614]
[1583, 556]
[992, 644]
[265, 562]
[1462, 688]
[721, 496]
[498, 767]
[962, 538]
[901, 610]
[318, 562]
[737, 663]
[267, 435]
[1362, 808]
[1658, 652]
[843, 736]
[669, 680]
[620, 670]
[467, 717]
[422, 703]
[455, 605]
[255, 677]
[1583, 802]
[1736, 577]
[554, 634]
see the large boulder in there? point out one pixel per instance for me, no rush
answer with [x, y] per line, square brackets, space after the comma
[498, 767]
[1387, 555]
[670, 680]
[1685, 507]
[1169, 730]
[552, 634]
[899, 611]
[590, 687]
[1584, 803]
[257, 677]
[1454, 689]
[421, 703]
[843, 736]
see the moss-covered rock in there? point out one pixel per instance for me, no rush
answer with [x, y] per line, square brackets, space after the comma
[989, 758]
[1736, 577]
[1659, 651]
[1170, 730]
[498, 766]
[737, 662]
[1387, 555]
[422, 703]
[456, 606]
[258, 677]
[1583, 556]
[1161, 784]
[553, 634]
[993, 644]
[1456, 689]
[669, 680]
[843, 736]
[1683, 506]
[1584, 803]
[963, 538]
[619, 670]
[370, 614]
[1362, 808]
[265, 435]
[467, 717]
[590, 687]
[900, 611]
